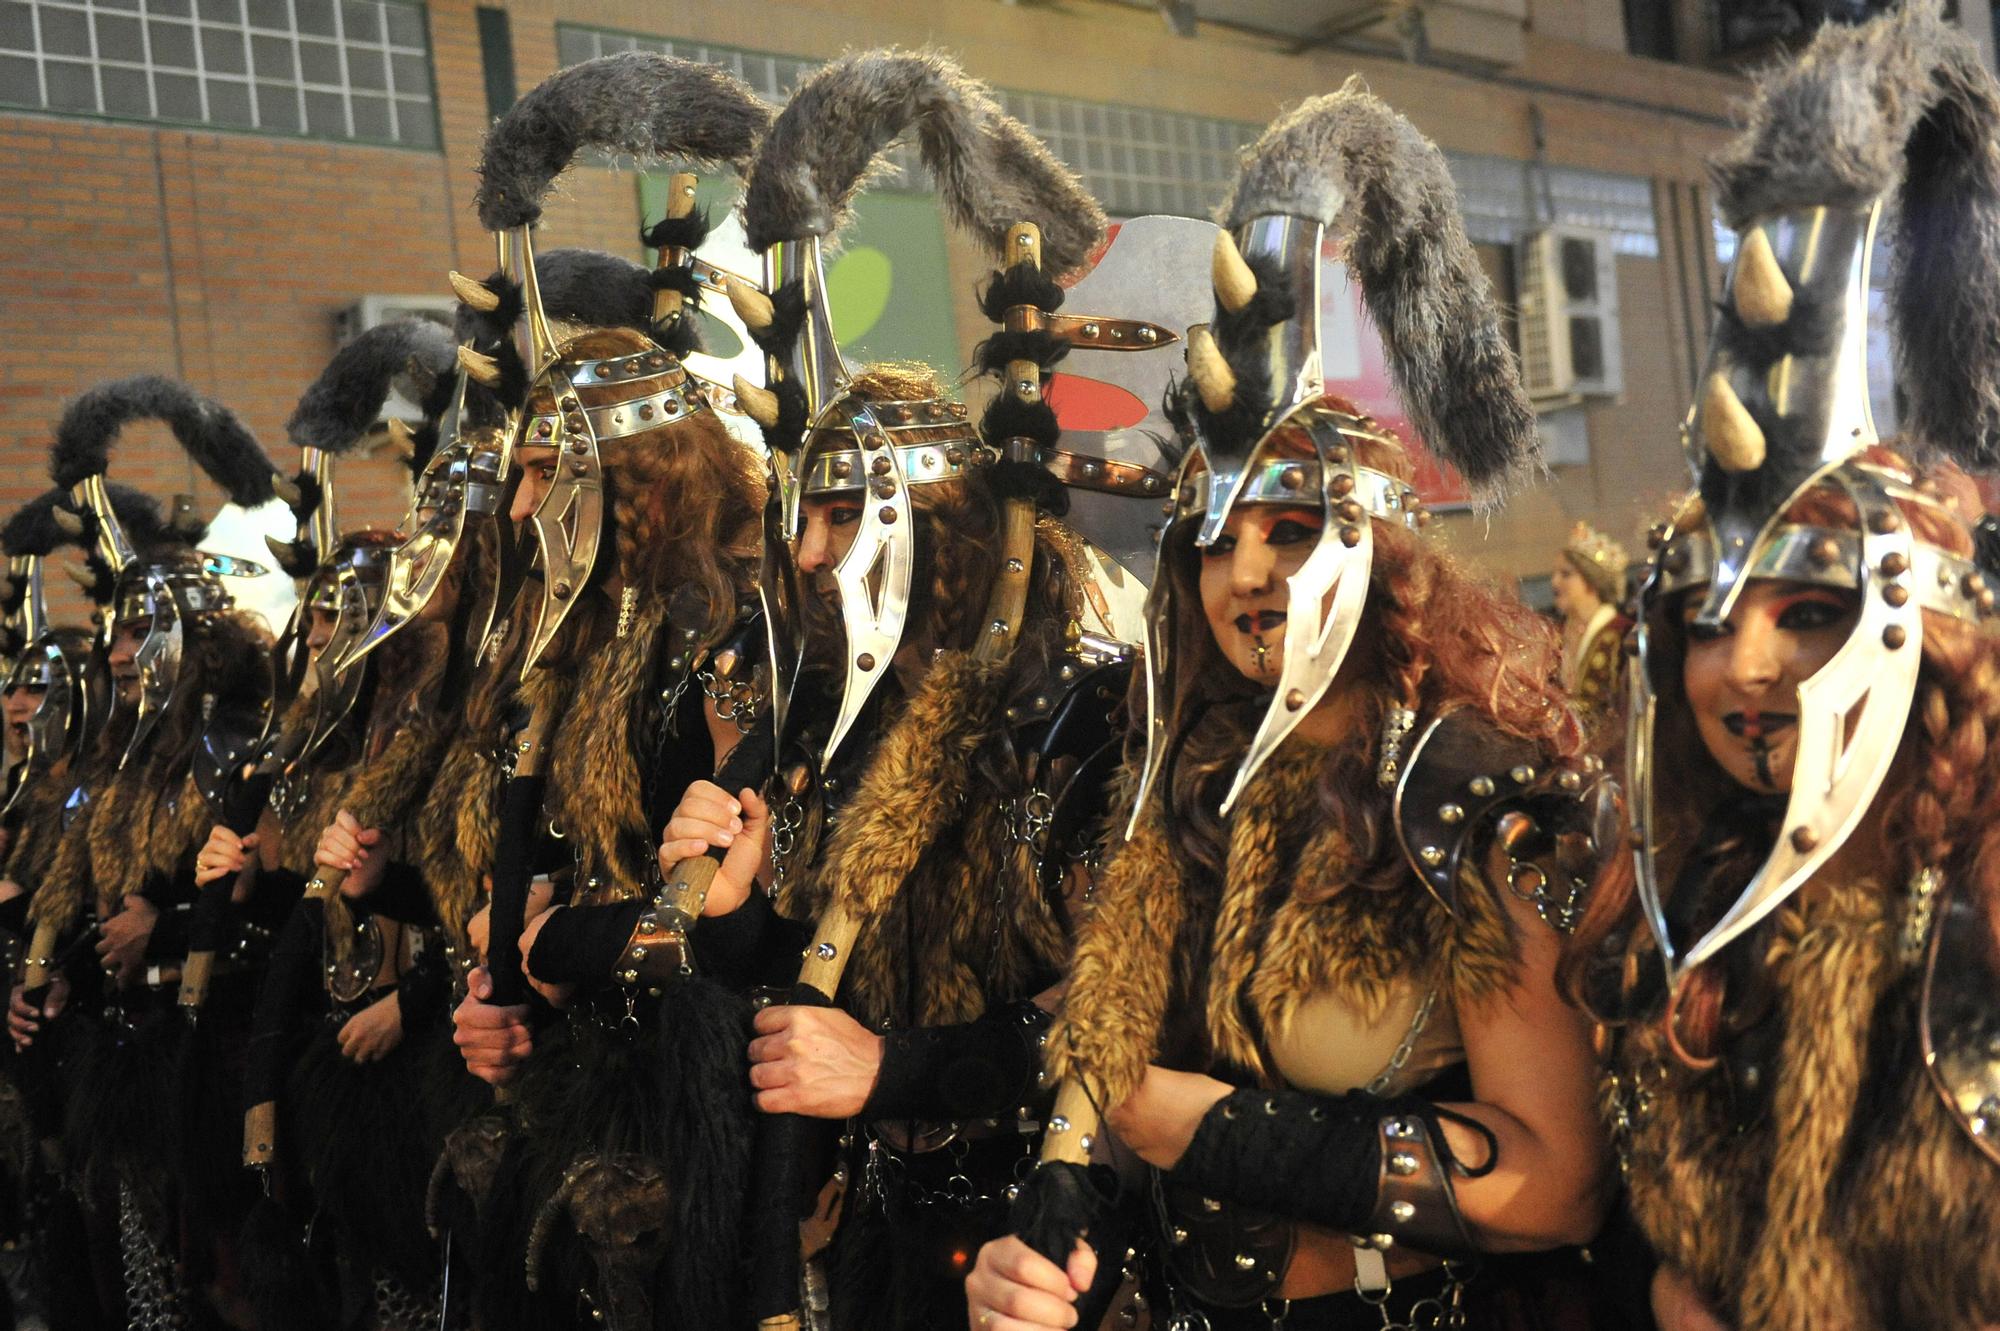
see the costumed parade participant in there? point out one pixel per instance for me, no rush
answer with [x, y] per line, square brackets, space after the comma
[134, 1075]
[1795, 954]
[1315, 990]
[622, 1152]
[1589, 587]
[945, 714]
[350, 1090]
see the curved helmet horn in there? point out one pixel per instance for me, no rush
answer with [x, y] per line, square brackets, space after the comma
[650, 107]
[1342, 168]
[1899, 107]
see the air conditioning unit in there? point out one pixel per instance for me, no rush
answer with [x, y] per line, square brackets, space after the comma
[1566, 285]
[370, 311]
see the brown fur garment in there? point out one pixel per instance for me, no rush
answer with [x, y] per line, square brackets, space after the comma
[950, 924]
[1834, 1212]
[38, 827]
[594, 779]
[1285, 928]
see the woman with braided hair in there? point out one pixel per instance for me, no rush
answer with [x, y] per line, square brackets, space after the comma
[1794, 958]
[1314, 994]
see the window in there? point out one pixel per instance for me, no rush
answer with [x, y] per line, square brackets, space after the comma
[327, 69]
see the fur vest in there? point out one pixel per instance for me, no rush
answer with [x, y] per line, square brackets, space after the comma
[1853, 1200]
[953, 918]
[1284, 929]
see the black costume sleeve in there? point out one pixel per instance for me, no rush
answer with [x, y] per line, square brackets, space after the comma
[402, 895]
[582, 944]
[752, 945]
[272, 898]
[982, 1069]
[169, 940]
[424, 991]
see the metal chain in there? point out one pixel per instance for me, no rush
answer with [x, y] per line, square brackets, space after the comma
[154, 1297]
[1397, 1061]
[735, 702]
[399, 1308]
[1559, 914]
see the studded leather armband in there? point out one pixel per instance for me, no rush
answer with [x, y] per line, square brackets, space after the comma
[656, 952]
[1369, 1165]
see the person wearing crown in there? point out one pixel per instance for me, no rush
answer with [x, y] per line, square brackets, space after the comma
[1588, 583]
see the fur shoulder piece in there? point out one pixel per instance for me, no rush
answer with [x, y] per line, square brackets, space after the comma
[345, 402]
[639, 103]
[992, 172]
[1351, 163]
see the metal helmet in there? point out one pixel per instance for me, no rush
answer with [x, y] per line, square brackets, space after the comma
[1346, 171]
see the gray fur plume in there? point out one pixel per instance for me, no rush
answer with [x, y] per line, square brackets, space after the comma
[637, 103]
[220, 444]
[345, 402]
[1347, 160]
[992, 172]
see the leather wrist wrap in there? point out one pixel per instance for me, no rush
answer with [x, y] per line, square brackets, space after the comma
[1373, 1166]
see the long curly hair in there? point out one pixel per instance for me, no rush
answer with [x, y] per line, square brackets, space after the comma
[1431, 637]
[1944, 813]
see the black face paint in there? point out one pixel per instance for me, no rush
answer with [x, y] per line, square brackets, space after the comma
[1760, 753]
[1263, 650]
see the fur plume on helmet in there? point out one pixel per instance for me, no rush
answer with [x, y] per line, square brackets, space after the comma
[638, 103]
[220, 444]
[990, 169]
[1383, 191]
[587, 287]
[1904, 105]
[41, 526]
[345, 403]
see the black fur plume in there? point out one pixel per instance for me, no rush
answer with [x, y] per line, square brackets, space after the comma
[1347, 160]
[345, 402]
[578, 286]
[637, 103]
[33, 529]
[218, 442]
[992, 172]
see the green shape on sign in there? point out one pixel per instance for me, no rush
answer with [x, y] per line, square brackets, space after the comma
[857, 287]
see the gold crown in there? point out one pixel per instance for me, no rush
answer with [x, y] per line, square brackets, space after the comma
[1598, 558]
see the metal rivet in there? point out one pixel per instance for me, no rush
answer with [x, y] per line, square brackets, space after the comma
[1431, 855]
[1481, 786]
[1210, 1206]
[1570, 781]
[880, 466]
[865, 661]
[1895, 564]
[827, 951]
[1350, 536]
[1896, 594]
[1014, 566]
[1295, 700]
[1884, 522]
[1058, 1124]
[1403, 1163]
[1292, 477]
[1804, 839]
[561, 590]
[1894, 636]
[1245, 1262]
[1402, 1212]
[888, 515]
[1341, 486]
[1522, 775]
[1451, 813]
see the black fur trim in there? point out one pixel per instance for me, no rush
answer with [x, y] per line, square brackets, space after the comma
[1813, 330]
[788, 321]
[1022, 284]
[683, 233]
[1026, 480]
[1058, 1204]
[1042, 347]
[1007, 417]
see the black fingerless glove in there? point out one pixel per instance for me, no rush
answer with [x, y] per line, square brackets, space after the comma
[582, 944]
[950, 1074]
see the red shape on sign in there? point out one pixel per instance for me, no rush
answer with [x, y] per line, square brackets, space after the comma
[1092, 404]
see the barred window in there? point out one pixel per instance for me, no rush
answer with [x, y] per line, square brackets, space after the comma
[356, 70]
